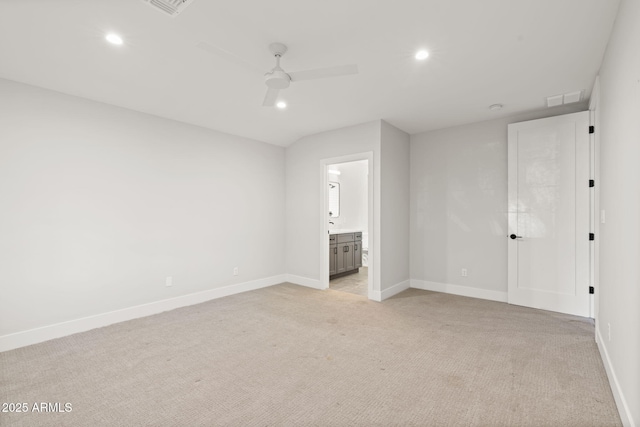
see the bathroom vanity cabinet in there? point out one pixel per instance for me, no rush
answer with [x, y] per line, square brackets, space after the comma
[345, 253]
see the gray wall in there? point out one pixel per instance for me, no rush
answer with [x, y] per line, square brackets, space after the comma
[303, 183]
[390, 231]
[100, 204]
[459, 203]
[394, 206]
[619, 284]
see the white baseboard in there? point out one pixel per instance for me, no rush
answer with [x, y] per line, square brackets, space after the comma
[45, 333]
[465, 291]
[621, 402]
[304, 281]
[389, 292]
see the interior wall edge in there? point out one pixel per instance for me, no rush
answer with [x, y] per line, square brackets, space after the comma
[390, 291]
[304, 281]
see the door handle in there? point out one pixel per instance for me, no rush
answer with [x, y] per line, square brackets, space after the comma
[513, 236]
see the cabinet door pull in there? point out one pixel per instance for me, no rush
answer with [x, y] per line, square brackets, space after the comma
[355, 247]
[335, 251]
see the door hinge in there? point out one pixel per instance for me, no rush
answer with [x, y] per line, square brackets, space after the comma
[592, 183]
[591, 290]
[592, 236]
[592, 129]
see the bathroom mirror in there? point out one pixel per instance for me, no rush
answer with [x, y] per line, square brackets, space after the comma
[334, 199]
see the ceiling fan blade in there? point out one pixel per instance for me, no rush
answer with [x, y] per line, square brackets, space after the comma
[321, 73]
[271, 97]
[231, 57]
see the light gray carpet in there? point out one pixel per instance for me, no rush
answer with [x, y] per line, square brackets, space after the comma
[288, 356]
[356, 283]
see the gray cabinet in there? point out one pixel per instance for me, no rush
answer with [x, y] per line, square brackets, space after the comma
[345, 257]
[333, 255]
[345, 253]
[357, 254]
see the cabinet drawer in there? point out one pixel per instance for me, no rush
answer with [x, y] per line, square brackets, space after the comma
[344, 238]
[358, 236]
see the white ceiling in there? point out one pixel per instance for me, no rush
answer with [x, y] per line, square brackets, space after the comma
[513, 52]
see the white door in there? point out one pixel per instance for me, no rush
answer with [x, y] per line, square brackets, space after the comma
[548, 242]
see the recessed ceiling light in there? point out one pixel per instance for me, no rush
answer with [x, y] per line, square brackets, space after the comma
[422, 55]
[495, 107]
[281, 105]
[113, 38]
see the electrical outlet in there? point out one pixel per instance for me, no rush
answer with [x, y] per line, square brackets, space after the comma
[609, 331]
[235, 271]
[168, 281]
[463, 273]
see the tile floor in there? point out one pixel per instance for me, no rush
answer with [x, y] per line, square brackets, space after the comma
[356, 283]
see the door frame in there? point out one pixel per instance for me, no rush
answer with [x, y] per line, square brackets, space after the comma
[324, 217]
[594, 142]
[588, 171]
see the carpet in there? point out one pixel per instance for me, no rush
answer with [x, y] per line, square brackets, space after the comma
[293, 356]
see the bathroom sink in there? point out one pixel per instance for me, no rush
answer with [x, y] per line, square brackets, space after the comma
[343, 231]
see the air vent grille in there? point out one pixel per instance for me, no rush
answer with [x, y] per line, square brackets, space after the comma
[567, 98]
[169, 7]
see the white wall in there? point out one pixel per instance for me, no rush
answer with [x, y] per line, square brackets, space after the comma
[303, 183]
[353, 180]
[394, 210]
[390, 148]
[459, 205]
[618, 289]
[100, 204]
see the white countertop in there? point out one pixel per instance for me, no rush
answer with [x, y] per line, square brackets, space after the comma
[344, 231]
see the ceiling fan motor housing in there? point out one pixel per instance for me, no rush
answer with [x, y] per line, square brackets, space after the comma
[277, 79]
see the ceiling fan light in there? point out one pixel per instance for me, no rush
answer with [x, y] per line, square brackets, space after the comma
[281, 105]
[277, 79]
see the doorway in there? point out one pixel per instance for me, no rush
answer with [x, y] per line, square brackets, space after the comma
[347, 228]
[549, 214]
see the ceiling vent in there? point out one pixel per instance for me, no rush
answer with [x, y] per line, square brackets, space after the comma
[169, 7]
[567, 98]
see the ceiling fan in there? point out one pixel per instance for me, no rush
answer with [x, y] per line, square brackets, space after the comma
[278, 79]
